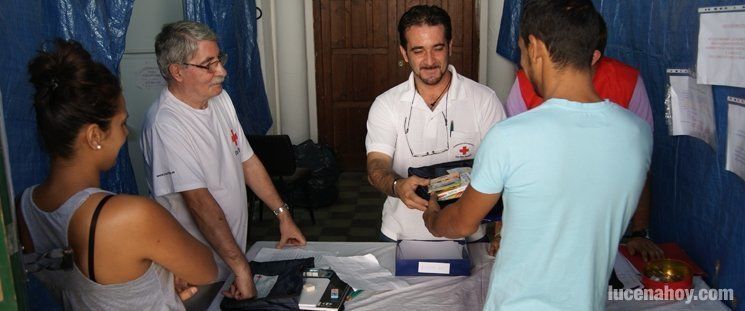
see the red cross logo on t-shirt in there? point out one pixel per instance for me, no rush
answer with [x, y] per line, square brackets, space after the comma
[464, 150]
[233, 137]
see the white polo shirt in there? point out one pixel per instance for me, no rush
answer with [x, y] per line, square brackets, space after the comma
[452, 132]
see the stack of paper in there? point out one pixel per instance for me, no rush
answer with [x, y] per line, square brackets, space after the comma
[626, 273]
[364, 272]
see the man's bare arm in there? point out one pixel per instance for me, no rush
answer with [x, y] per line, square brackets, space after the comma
[380, 174]
[210, 220]
[461, 218]
[640, 222]
[258, 180]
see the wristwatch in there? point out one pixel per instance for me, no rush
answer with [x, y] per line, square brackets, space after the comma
[281, 209]
[393, 187]
[643, 233]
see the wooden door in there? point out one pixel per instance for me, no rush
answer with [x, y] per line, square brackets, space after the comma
[357, 59]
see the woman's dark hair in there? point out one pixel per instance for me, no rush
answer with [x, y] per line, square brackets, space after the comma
[571, 30]
[72, 90]
[430, 15]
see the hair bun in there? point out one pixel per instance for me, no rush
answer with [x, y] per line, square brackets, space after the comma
[53, 83]
[71, 90]
[58, 70]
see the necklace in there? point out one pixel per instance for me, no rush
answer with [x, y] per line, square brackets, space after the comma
[432, 105]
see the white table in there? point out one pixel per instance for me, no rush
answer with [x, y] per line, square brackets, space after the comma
[425, 293]
[445, 292]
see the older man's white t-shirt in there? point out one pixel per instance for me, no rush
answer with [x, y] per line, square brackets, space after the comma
[187, 149]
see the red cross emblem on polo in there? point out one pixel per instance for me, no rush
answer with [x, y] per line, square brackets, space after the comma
[464, 150]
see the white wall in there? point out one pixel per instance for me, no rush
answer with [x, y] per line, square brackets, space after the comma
[288, 63]
[267, 44]
[292, 70]
[495, 71]
[140, 77]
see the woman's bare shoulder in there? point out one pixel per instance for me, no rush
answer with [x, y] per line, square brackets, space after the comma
[133, 209]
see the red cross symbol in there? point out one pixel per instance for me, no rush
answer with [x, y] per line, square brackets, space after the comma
[464, 150]
[233, 137]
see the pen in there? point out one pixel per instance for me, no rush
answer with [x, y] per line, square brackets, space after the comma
[451, 128]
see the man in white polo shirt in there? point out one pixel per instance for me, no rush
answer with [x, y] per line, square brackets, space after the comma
[435, 116]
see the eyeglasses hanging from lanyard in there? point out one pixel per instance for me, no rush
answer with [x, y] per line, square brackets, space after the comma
[407, 122]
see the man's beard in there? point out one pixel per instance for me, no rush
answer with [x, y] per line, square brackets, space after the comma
[433, 80]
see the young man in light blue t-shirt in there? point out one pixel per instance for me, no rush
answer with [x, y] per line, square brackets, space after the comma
[570, 172]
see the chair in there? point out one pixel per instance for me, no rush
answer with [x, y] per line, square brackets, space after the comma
[278, 156]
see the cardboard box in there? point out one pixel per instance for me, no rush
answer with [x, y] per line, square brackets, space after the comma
[432, 258]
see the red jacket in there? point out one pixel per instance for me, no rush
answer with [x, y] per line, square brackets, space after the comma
[613, 80]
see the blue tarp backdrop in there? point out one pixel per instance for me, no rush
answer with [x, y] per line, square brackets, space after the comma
[100, 26]
[695, 201]
[235, 25]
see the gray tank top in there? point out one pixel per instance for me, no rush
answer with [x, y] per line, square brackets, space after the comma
[153, 290]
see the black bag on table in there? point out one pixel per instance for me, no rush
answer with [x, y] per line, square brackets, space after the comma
[436, 170]
[285, 294]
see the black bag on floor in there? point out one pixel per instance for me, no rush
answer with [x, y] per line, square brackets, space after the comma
[285, 294]
[320, 190]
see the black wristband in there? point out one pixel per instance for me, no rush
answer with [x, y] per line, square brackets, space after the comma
[643, 233]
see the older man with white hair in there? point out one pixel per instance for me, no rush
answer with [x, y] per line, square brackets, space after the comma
[197, 157]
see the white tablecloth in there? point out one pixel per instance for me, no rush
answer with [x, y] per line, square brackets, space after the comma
[446, 293]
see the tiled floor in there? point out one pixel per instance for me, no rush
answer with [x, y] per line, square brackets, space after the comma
[354, 217]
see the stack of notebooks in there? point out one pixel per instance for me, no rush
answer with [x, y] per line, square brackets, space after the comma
[448, 181]
[323, 290]
[452, 185]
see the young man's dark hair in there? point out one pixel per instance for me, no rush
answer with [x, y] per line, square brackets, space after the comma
[431, 15]
[571, 29]
[602, 37]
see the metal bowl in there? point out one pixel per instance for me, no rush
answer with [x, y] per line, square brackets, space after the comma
[667, 273]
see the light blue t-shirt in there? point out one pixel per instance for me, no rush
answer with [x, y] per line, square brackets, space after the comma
[570, 175]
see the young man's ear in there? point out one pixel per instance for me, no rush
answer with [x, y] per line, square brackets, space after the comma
[535, 49]
[450, 48]
[596, 55]
[403, 53]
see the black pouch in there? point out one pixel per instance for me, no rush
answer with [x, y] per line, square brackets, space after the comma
[285, 294]
[440, 169]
